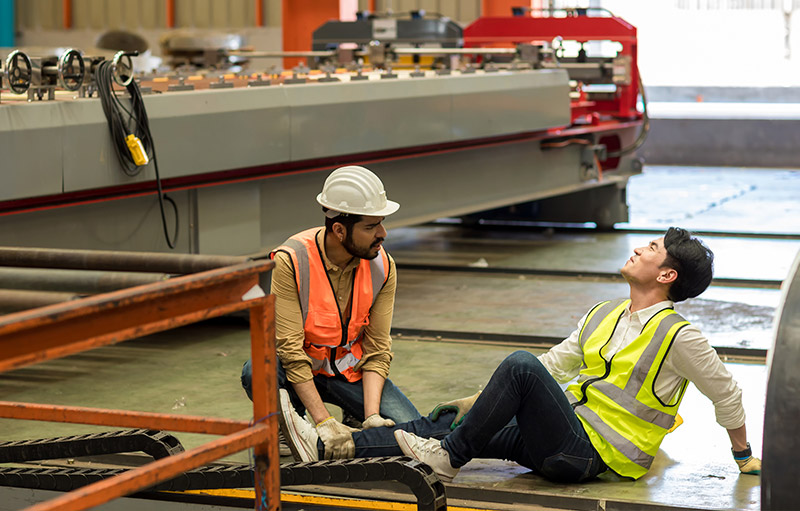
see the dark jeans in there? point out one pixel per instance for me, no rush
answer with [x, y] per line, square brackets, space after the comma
[522, 415]
[344, 394]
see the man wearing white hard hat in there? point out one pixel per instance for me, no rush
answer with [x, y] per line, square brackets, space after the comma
[334, 288]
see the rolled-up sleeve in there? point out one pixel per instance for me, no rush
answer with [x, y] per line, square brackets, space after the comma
[289, 333]
[693, 358]
[376, 342]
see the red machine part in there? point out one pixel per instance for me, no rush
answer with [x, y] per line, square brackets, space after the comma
[513, 30]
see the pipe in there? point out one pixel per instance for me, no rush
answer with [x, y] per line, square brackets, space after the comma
[259, 13]
[74, 281]
[13, 300]
[66, 9]
[170, 13]
[113, 261]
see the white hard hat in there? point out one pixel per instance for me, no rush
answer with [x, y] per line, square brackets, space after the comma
[356, 191]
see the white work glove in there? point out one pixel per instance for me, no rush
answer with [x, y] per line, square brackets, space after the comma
[460, 406]
[338, 439]
[376, 421]
[748, 464]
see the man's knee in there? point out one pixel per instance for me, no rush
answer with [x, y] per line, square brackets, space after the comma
[247, 379]
[522, 360]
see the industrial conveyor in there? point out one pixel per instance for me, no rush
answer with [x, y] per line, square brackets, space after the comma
[243, 154]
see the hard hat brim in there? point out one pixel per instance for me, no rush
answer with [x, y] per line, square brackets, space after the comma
[390, 208]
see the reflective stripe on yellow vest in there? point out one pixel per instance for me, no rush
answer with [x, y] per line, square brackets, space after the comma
[615, 398]
[331, 352]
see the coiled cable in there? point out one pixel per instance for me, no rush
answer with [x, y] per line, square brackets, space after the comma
[124, 121]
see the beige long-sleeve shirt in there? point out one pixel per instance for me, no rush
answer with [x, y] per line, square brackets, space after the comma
[690, 357]
[289, 333]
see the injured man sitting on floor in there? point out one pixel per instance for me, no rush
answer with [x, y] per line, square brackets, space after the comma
[633, 359]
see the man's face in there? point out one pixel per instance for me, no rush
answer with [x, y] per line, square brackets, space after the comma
[646, 264]
[365, 238]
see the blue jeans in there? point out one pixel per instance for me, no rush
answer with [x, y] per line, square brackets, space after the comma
[522, 415]
[336, 390]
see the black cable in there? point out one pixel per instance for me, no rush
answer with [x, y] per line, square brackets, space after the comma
[642, 133]
[138, 124]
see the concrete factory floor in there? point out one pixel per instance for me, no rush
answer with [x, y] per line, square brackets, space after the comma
[195, 370]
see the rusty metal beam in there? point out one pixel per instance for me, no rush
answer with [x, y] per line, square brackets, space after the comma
[61, 329]
[58, 330]
[120, 418]
[155, 472]
[113, 261]
[265, 399]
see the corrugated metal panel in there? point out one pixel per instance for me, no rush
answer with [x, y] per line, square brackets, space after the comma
[470, 11]
[153, 13]
[451, 8]
[405, 5]
[25, 18]
[95, 14]
[220, 13]
[237, 12]
[114, 15]
[429, 5]
[132, 15]
[272, 12]
[47, 14]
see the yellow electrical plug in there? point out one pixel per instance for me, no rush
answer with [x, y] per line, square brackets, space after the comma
[137, 150]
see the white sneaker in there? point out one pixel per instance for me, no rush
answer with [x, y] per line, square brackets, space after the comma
[300, 435]
[283, 447]
[428, 451]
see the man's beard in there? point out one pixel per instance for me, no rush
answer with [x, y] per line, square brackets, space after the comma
[361, 252]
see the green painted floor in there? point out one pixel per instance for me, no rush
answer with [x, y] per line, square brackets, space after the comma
[195, 371]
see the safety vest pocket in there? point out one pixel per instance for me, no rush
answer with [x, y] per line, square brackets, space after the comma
[326, 320]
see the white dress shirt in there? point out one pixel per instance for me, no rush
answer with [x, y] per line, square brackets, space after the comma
[690, 357]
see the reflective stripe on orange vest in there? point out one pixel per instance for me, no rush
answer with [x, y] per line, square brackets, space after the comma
[333, 345]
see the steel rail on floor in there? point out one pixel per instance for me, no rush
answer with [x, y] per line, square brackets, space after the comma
[222, 286]
[565, 228]
[572, 274]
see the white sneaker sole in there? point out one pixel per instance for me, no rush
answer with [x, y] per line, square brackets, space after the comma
[297, 447]
[400, 438]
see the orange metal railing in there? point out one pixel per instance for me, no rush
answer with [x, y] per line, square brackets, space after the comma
[62, 329]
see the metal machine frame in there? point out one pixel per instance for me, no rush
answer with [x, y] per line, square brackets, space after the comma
[515, 30]
[62, 329]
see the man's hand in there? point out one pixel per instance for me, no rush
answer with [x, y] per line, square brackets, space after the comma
[460, 406]
[338, 439]
[376, 421]
[748, 464]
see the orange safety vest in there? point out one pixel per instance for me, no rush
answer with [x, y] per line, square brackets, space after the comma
[333, 344]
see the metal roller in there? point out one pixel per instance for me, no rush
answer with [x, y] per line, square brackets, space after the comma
[12, 300]
[113, 261]
[74, 281]
[779, 476]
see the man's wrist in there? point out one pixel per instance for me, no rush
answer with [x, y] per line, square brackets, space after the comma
[744, 454]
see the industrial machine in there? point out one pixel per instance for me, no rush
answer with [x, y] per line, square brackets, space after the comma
[505, 120]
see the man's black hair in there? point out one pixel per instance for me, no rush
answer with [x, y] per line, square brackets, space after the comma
[345, 219]
[693, 261]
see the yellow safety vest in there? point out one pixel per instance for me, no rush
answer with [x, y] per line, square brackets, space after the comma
[615, 397]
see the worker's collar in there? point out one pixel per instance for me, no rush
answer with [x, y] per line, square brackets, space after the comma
[643, 315]
[329, 266]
